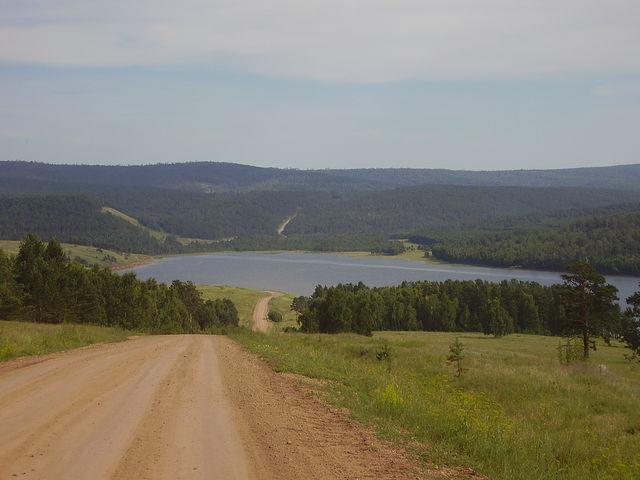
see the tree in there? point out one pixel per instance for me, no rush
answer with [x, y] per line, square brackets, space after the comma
[631, 325]
[299, 304]
[498, 322]
[589, 303]
[456, 355]
[10, 293]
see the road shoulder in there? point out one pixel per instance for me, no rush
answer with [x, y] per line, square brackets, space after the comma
[294, 434]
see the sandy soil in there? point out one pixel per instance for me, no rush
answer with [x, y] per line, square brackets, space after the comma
[260, 311]
[178, 407]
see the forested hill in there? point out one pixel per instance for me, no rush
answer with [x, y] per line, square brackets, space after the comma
[609, 241]
[202, 177]
[224, 215]
[619, 177]
[73, 219]
[404, 210]
[207, 177]
[229, 206]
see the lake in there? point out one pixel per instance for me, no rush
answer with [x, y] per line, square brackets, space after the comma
[299, 273]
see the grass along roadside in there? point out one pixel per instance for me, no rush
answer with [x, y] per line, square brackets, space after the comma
[516, 413]
[18, 339]
[89, 255]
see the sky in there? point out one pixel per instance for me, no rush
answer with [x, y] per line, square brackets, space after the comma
[462, 84]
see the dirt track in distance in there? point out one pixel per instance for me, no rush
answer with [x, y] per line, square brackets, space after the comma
[260, 323]
[177, 407]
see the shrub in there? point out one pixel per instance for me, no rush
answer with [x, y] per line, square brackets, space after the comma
[274, 316]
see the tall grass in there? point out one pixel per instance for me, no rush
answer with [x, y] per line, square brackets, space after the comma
[20, 338]
[516, 413]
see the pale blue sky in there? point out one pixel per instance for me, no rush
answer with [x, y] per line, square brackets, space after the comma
[442, 84]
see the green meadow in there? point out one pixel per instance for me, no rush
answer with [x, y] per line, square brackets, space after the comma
[517, 412]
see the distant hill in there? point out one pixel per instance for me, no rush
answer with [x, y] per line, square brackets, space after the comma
[219, 216]
[159, 208]
[208, 177]
[201, 177]
[620, 177]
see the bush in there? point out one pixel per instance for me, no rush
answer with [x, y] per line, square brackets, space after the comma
[274, 316]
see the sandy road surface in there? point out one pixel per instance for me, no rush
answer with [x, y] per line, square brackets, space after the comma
[260, 311]
[176, 407]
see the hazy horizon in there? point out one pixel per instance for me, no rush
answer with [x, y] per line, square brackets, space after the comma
[318, 168]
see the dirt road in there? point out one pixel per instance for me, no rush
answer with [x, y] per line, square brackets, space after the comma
[260, 322]
[178, 407]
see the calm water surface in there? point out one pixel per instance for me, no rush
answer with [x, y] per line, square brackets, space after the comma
[299, 273]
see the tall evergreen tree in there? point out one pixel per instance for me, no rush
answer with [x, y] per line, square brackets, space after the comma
[589, 304]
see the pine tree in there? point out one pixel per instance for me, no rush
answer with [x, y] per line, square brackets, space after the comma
[589, 303]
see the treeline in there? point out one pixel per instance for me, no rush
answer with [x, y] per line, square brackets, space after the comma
[453, 305]
[611, 243]
[40, 284]
[377, 244]
[583, 307]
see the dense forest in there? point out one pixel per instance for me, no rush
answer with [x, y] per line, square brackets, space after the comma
[405, 210]
[611, 242]
[72, 219]
[42, 285]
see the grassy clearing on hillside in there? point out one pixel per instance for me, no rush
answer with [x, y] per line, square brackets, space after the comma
[89, 255]
[516, 413]
[245, 299]
[157, 234]
[18, 339]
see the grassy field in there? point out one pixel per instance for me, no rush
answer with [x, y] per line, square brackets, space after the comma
[283, 305]
[18, 339]
[516, 413]
[245, 299]
[90, 255]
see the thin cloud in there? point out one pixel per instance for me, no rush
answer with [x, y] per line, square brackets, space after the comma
[331, 40]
